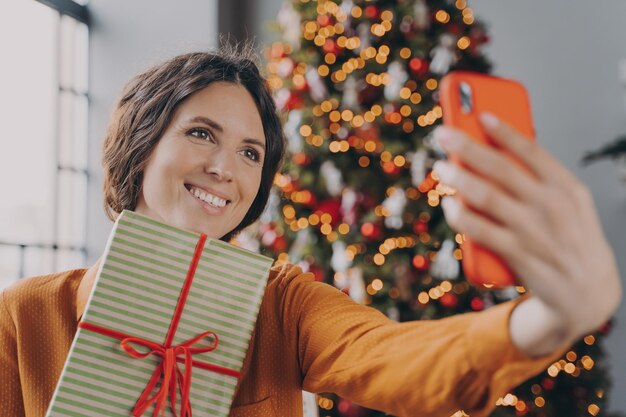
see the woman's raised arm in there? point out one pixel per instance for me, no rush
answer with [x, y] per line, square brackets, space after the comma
[543, 223]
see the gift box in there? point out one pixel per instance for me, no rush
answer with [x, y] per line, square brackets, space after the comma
[166, 328]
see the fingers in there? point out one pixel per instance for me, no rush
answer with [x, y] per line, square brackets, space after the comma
[488, 162]
[482, 195]
[540, 162]
[483, 231]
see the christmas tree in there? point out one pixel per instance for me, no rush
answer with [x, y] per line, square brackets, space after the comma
[356, 203]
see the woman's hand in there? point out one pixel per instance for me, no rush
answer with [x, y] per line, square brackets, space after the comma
[542, 222]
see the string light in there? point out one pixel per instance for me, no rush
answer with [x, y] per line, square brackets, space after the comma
[423, 298]
[431, 84]
[325, 229]
[405, 53]
[408, 126]
[540, 402]
[593, 409]
[468, 16]
[463, 42]
[442, 16]
[369, 117]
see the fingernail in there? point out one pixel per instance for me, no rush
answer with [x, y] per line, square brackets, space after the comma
[442, 169]
[489, 120]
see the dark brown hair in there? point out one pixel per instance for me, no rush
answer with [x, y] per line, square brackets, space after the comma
[147, 105]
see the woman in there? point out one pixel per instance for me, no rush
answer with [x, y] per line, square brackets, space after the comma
[195, 142]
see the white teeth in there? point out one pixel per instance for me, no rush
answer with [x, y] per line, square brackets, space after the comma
[208, 198]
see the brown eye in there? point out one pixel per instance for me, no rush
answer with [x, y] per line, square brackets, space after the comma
[200, 134]
[252, 154]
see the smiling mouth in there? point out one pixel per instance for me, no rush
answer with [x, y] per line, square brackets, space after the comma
[208, 198]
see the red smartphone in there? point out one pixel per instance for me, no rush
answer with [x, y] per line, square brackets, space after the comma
[464, 96]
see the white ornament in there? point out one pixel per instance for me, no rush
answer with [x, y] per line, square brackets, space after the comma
[418, 167]
[350, 98]
[507, 293]
[395, 204]
[281, 97]
[333, 178]
[269, 237]
[348, 201]
[303, 238]
[316, 85]
[357, 285]
[247, 239]
[393, 313]
[271, 212]
[339, 260]
[397, 78]
[364, 33]
[284, 68]
[295, 143]
[443, 55]
[289, 21]
[346, 8]
[445, 266]
[421, 15]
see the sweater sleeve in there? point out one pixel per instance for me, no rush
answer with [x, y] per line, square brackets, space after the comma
[421, 368]
[11, 402]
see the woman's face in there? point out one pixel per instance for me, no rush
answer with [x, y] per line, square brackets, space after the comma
[205, 172]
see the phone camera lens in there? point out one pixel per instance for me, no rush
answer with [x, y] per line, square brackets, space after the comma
[466, 97]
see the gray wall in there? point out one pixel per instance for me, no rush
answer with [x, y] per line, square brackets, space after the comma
[566, 52]
[127, 37]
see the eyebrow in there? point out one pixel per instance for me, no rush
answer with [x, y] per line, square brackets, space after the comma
[213, 124]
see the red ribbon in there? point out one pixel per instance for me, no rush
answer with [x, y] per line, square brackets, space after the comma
[167, 372]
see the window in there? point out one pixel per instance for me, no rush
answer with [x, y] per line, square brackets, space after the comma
[43, 140]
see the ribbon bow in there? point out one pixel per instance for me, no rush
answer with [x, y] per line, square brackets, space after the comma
[168, 372]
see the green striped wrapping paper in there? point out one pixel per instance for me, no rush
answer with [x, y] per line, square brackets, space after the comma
[136, 293]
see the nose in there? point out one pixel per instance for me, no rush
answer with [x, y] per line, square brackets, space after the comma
[220, 166]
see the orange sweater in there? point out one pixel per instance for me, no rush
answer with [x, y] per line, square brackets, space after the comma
[308, 336]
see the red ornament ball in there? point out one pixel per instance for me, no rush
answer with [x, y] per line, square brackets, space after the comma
[420, 227]
[420, 262]
[547, 383]
[301, 159]
[371, 231]
[419, 66]
[325, 20]
[333, 208]
[280, 244]
[317, 272]
[372, 12]
[294, 102]
[477, 304]
[331, 47]
[449, 300]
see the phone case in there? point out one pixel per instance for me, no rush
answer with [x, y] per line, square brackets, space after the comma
[508, 100]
